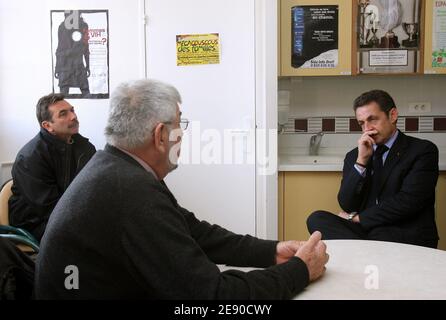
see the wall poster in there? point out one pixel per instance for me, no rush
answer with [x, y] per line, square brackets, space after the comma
[315, 36]
[80, 53]
[389, 36]
[439, 35]
[196, 49]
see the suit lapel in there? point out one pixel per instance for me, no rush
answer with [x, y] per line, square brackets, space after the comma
[395, 153]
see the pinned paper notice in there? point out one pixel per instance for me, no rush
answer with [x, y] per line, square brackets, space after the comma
[193, 49]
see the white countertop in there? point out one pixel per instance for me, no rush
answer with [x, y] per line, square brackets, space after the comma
[294, 148]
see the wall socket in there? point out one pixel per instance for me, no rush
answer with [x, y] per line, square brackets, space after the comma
[420, 107]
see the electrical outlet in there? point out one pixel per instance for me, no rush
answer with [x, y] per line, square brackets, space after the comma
[420, 107]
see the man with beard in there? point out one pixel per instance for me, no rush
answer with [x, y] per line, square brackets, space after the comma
[123, 235]
[47, 164]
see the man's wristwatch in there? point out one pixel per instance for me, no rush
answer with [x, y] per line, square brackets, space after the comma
[351, 215]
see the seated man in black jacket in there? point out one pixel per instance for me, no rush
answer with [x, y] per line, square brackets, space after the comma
[388, 184]
[47, 164]
[120, 229]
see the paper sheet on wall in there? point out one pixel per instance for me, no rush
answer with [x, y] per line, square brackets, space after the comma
[315, 36]
[439, 35]
[80, 53]
[196, 49]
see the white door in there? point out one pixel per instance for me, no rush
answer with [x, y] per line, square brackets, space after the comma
[218, 99]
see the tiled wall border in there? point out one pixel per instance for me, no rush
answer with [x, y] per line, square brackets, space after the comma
[350, 125]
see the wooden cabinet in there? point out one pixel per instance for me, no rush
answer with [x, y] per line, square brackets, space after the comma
[290, 27]
[301, 193]
[360, 49]
[440, 209]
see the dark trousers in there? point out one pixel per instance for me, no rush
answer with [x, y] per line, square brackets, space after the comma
[38, 231]
[334, 227]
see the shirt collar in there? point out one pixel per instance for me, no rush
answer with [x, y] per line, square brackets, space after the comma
[140, 161]
[389, 142]
[52, 138]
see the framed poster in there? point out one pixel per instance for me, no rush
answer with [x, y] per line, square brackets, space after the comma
[315, 37]
[388, 37]
[435, 40]
[80, 53]
[314, 31]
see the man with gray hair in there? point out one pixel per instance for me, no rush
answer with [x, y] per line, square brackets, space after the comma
[122, 234]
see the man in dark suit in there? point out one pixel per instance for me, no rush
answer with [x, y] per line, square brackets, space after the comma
[388, 185]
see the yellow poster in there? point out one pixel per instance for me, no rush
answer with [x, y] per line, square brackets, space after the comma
[195, 49]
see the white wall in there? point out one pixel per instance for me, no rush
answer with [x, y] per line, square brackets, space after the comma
[25, 64]
[25, 76]
[5, 172]
[333, 96]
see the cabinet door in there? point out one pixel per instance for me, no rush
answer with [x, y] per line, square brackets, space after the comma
[306, 35]
[304, 193]
[280, 203]
[435, 37]
[440, 210]
[301, 193]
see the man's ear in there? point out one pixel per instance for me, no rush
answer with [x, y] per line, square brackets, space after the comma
[158, 139]
[47, 126]
[394, 115]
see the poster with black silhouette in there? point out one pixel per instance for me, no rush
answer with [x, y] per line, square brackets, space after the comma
[315, 36]
[80, 53]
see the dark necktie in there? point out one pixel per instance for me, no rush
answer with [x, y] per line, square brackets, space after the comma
[377, 174]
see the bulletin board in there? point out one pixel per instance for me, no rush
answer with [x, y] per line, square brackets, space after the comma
[330, 25]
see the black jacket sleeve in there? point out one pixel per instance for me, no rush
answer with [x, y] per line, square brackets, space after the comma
[353, 185]
[36, 183]
[169, 262]
[223, 246]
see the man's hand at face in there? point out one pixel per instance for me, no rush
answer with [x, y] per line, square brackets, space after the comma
[365, 147]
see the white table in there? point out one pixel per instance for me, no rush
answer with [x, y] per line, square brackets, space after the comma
[379, 270]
